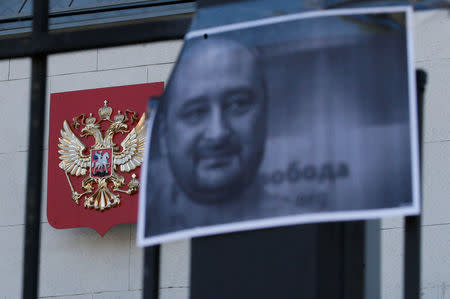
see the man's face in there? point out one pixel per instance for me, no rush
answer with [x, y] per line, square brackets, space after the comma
[215, 123]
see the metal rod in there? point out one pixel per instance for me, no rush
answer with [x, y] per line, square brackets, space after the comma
[329, 258]
[412, 257]
[95, 38]
[151, 272]
[372, 259]
[40, 17]
[412, 245]
[353, 259]
[35, 142]
[34, 178]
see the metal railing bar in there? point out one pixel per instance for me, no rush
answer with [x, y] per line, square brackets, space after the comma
[95, 38]
[34, 168]
[412, 242]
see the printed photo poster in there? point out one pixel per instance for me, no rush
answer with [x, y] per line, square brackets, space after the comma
[293, 119]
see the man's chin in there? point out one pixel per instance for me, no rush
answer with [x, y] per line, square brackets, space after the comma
[213, 191]
[212, 184]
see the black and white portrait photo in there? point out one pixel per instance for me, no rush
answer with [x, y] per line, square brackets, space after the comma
[286, 120]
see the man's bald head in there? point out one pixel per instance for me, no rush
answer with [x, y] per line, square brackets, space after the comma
[219, 54]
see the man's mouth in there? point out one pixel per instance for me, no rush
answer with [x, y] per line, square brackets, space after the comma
[218, 161]
[217, 158]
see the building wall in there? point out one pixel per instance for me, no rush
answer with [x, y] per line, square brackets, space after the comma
[432, 53]
[77, 263]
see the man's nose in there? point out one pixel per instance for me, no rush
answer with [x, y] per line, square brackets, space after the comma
[217, 128]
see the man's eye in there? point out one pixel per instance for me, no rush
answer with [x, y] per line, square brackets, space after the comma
[239, 105]
[194, 114]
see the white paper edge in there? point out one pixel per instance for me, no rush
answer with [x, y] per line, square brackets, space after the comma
[302, 218]
[413, 119]
[144, 171]
[274, 222]
[297, 16]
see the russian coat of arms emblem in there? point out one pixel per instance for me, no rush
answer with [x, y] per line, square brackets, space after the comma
[102, 164]
[95, 151]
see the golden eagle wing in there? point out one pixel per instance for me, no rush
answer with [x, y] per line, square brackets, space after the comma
[71, 152]
[132, 153]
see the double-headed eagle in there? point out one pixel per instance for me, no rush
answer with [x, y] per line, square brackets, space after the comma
[101, 165]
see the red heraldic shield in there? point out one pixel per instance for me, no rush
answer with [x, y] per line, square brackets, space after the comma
[96, 143]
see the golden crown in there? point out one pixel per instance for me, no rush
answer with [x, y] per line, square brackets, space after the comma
[105, 111]
[90, 120]
[119, 117]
